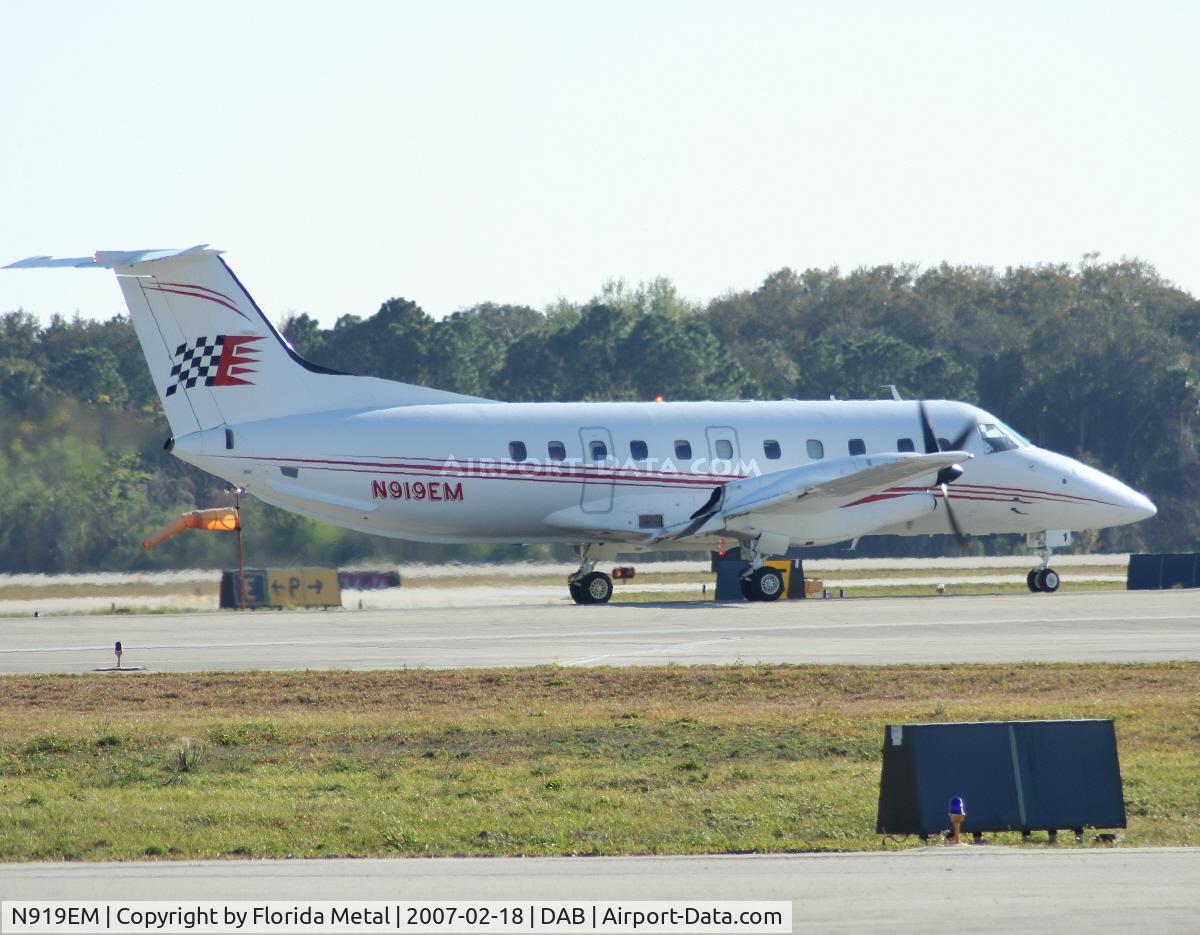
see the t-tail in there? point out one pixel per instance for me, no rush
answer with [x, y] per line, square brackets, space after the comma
[214, 356]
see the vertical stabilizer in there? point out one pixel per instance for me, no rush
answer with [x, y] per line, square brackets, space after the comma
[214, 357]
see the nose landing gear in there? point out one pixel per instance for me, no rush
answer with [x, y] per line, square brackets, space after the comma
[1045, 579]
[1042, 580]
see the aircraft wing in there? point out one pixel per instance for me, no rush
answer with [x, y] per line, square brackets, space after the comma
[812, 488]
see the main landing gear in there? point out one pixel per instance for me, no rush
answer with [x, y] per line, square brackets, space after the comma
[1044, 579]
[593, 588]
[761, 582]
[588, 586]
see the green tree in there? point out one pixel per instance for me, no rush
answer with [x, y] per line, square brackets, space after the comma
[91, 374]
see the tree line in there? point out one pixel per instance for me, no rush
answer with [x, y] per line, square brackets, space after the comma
[1096, 360]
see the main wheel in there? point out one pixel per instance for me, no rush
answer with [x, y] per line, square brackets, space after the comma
[595, 588]
[1048, 580]
[1031, 580]
[744, 584]
[576, 593]
[766, 584]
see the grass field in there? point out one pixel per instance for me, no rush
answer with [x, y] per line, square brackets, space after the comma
[532, 761]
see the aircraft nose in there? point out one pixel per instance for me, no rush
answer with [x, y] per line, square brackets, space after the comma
[1127, 505]
[1138, 506]
[1114, 503]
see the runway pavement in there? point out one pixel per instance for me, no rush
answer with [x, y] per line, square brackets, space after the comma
[970, 889]
[964, 889]
[1112, 626]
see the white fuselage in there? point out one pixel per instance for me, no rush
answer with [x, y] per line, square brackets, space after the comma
[418, 463]
[597, 471]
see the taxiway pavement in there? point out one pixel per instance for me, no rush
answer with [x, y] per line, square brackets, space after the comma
[963, 889]
[1102, 626]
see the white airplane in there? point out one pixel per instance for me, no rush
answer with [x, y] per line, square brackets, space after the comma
[417, 463]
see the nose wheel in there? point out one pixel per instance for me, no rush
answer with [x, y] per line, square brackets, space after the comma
[1043, 580]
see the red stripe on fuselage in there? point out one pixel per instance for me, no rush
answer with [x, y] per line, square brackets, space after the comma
[511, 470]
[1014, 492]
[531, 479]
[982, 495]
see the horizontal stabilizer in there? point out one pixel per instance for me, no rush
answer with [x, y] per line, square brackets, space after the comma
[106, 259]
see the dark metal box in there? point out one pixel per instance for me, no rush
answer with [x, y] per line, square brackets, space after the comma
[1013, 776]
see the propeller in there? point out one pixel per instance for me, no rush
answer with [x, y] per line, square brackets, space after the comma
[947, 475]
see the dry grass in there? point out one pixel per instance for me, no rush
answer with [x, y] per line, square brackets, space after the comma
[38, 592]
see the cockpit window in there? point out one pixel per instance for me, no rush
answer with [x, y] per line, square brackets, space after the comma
[1012, 433]
[997, 438]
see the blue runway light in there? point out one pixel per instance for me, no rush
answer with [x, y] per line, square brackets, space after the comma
[958, 814]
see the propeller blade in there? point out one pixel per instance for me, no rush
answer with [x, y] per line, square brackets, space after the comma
[927, 433]
[956, 443]
[959, 536]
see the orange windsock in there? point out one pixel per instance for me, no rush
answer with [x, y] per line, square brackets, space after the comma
[220, 519]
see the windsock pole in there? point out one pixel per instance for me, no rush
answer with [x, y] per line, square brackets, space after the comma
[237, 505]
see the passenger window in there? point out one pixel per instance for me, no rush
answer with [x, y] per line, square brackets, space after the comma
[905, 444]
[683, 450]
[724, 449]
[857, 446]
[598, 450]
[557, 451]
[638, 451]
[771, 450]
[816, 450]
[516, 451]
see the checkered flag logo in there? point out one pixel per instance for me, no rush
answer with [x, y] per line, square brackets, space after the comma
[218, 361]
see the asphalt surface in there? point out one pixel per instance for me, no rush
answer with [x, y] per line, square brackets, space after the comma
[963, 889]
[1111, 626]
[969, 889]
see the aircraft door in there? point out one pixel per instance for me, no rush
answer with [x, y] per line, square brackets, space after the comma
[724, 453]
[599, 463]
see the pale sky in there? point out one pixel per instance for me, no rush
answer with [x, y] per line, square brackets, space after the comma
[453, 153]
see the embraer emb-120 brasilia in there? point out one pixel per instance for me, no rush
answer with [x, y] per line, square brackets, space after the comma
[417, 463]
